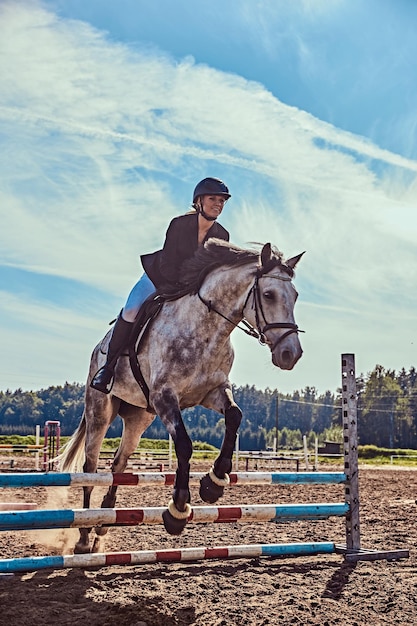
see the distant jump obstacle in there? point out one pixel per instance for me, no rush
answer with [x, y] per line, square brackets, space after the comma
[49, 449]
[349, 509]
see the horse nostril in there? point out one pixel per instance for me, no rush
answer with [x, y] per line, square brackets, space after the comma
[286, 357]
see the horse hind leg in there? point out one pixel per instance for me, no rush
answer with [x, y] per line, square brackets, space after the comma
[99, 413]
[72, 459]
[135, 421]
[213, 483]
[83, 544]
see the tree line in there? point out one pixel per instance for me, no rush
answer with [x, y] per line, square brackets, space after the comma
[387, 413]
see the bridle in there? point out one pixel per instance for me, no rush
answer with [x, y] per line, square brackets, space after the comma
[258, 332]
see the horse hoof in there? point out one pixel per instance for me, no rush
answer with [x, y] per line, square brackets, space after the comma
[101, 531]
[81, 548]
[209, 491]
[173, 526]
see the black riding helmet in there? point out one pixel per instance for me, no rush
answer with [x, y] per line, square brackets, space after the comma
[211, 186]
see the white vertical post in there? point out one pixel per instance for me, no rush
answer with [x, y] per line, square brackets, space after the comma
[305, 451]
[37, 442]
[316, 453]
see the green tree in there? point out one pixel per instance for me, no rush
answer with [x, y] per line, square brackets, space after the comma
[379, 404]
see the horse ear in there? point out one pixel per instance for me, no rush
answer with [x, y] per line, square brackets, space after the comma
[266, 254]
[294, 260]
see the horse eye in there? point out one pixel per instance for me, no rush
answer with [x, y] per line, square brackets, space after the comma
[268, 295]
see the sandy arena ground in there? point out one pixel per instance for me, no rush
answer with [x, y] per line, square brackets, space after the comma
[305, 590]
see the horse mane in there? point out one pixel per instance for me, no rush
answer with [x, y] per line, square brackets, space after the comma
[217, 253]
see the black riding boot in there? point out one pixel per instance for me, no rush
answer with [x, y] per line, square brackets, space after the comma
[118, 341]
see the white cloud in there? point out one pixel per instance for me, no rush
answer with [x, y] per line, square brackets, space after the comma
[44, 344]
[102, 146]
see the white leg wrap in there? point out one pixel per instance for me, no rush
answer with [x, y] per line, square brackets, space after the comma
[221, 482]
[179, 514]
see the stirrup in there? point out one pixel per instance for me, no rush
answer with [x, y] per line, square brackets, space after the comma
[103, 379]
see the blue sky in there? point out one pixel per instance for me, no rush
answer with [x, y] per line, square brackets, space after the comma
[110, 113]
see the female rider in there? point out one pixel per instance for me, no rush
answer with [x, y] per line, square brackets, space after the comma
[163, 268]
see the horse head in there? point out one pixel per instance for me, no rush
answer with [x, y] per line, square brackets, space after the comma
[272, 299]
[266, 304]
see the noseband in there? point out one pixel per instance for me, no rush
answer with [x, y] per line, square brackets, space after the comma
[258, 332]
[257, 305]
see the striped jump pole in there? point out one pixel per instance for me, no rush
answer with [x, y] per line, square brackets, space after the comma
[85, 518]
[31, 564]
[18, 506]
[166, 479]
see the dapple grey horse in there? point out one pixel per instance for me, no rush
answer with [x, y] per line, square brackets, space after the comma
[185, 357]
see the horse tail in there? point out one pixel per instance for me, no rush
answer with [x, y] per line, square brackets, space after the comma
[72, 455]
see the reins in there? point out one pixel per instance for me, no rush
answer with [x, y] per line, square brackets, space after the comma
[248, 328]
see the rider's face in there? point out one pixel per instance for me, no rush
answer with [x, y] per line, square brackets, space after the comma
[213, 205]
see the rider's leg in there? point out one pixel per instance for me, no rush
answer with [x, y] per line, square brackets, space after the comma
[118, 341]
[121, 332]
[142, 290]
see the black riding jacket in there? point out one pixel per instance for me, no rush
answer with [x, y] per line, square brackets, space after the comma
[181, 241]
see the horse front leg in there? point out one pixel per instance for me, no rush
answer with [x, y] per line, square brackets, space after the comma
[212, 484]
[179, 509]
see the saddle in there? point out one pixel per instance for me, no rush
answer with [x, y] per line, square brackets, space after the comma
[149, 310]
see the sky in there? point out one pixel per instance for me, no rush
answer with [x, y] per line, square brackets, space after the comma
[110, 113]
